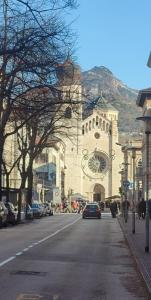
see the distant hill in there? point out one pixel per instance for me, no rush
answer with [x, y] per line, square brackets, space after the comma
[101, 80]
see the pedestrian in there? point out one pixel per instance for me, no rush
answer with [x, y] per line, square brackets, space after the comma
[142, 209]
[113, 209]
[125, 209]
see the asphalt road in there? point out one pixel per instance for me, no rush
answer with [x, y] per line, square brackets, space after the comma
[64, 257]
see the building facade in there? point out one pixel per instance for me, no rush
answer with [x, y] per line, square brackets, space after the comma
[92, 156]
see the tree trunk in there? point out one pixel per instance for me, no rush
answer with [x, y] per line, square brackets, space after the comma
[30, 184]
[22, 186]
[7, 187]
[1, 160]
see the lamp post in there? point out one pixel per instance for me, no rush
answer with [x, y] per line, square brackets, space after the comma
[124, 182]
[121, 188]
[133, 212]
[133, 149]
[147, 120]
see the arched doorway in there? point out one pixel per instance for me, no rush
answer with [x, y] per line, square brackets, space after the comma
[98, 193]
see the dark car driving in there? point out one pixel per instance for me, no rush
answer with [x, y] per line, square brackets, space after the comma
[91, 210]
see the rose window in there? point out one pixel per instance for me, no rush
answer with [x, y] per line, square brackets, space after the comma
[97, 163]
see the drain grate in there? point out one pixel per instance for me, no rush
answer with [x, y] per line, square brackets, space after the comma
[32, 273]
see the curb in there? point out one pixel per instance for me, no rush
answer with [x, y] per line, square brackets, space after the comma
[139, 264]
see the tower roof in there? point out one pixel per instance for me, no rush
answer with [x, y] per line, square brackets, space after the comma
[68, 72]
[103, 104]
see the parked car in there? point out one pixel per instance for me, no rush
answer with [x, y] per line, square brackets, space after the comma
[91, 210]
[29, 212]
[12, 213]
[37, 210]
[3, 214]
[44, 208]
[26, 213]
[49, 209]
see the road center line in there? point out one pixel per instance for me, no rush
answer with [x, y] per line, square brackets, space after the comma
[7, 261]
[37, 243]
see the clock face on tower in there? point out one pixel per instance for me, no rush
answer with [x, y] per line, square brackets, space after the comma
[95, 164]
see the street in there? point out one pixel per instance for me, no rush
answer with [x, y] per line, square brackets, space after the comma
[66, 257]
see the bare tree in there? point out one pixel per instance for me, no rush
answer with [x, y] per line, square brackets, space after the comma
[33, 41]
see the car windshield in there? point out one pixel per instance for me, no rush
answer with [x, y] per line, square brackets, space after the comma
[91, 206]
[35, 205]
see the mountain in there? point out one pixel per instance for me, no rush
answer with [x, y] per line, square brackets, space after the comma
[100, 80]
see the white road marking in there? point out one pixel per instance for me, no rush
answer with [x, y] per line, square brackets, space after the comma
[37, 243]
[26, 249]
[7, 260]
[19, 253]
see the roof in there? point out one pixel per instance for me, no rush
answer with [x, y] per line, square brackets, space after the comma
[103, 104]
[143, 95]
[68, 72]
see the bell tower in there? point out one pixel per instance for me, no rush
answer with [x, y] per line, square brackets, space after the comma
[69, 76]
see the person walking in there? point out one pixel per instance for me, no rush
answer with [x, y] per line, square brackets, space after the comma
[125, 209]
[113, 209]
[142, 209]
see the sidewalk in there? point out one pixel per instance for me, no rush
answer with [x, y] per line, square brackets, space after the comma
[136, 244]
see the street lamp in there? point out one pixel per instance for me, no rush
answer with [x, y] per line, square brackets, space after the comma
[125, 163]
[133, 149]
[121, 188]
[147, 119]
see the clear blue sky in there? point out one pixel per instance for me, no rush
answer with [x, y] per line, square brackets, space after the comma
[115, 34]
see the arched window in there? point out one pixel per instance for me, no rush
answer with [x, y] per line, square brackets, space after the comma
[89, 125]
[103, 125]
[93, 123]
[68, 113]
[83, 129]
[100, 123]
[86, 127]
[97, 121]
[107, 127]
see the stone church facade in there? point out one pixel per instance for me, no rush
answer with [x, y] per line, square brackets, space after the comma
[92, 154]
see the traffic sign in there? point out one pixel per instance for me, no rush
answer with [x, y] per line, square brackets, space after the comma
[126, 183]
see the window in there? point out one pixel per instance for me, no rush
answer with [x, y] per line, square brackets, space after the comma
[97, 135]
[97, 121]
[68, 113]
[89, 125]
[100, 123]
[83, 130]
[104, 125]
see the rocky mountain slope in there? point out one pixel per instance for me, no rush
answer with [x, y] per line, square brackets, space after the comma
[101, 80]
